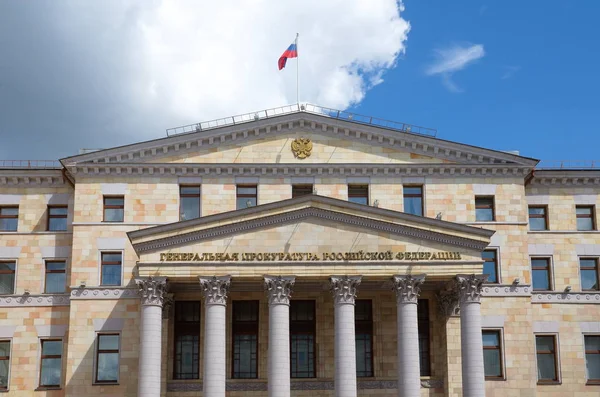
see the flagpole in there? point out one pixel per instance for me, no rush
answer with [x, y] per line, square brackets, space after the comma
[297, 71]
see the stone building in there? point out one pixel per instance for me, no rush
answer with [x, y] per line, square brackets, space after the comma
[300, 252]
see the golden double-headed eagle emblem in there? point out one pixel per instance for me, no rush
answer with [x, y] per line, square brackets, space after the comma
[301, 147]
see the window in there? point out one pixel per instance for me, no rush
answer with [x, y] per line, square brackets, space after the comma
[484, 209]
[538, 218]
[301, 190]
[57, 218]
[111, 263]
[363, 319]
[358, 194]
[9, 218]
[585, 217]
[114, 208]
[589, 274]
[302, 339]
[189, 202]
[7, 277]
[424, 336]
[545, 346]
[107, 358]
[492, 354]
[540, 274]
[490, 265]
[51, 363]
[245, 339]
[4, 363]
[55, 277]
[187, 340]
[592, 358]
[413, 200]
[246, 196]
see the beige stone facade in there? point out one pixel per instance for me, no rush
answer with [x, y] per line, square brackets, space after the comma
[311, 238]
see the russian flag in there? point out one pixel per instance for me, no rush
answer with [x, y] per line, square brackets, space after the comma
[291, 52]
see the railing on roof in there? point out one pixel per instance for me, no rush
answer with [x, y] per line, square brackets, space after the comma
[568, 164]
[33, 164]
[305, 107]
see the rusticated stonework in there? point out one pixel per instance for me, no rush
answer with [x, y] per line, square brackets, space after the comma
[153, 290]
[279, 289]
[344, 288]
[408, 287]
[215, 289]
[470, 287]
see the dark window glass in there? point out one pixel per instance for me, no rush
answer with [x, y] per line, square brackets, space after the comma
[302, 339]
[51, 365]
[107, 358]
[189, 202]
[114, 208]
[9, 218]
[546, 358]
[246, 196]
[4, 363]
[7, 277]
[592, 358]
[484, 209]
[490, 265]
[301, 190]
[187, 340]
[55, 277]
[111, 268]
[363, 318]
[413, 200]
[358, 194]
[424, 336]
[538, 218]
[492, 354]
[589, 273]
[540, 270]
[585, 217]
[245, 339]
[57, 218]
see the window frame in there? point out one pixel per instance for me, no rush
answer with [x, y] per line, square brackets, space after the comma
[246, 195]
[50, 339]
[61, 216]
[596, 268]
[353, 192]
[190, 195]
[368, 326]
[549, 260]
[246, 326]
[46, 272]
[97, 354]
[100, 278]
[112, 207]
[177, 332]
[496, 262]
[313, 332]
[301, 187]
[536, 216]
[10, 217]
[7, 358]
[412, 195]
[589, 381]
[492, 207]
[558, 380]
[500, 333]
[592, 216]
[14, 288]
[424, 328]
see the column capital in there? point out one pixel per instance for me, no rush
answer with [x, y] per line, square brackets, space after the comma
[279, 289]
[344, 288]
[215, 289]
[153, 290]
[469, 287]
[408, 287]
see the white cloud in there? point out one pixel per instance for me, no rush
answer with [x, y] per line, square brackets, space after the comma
[452, 59]
[510, 71]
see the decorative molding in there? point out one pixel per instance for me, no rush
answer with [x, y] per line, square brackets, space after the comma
[302, 148]
[566, 297]
[34, 300]
[503, 290]
[408, 287]
[563, 177]
[448, 301]
[152, 290]
[32, 178]
[215, 289]
[469, 287]
[78, 293]
[279, 289]
[344, 288]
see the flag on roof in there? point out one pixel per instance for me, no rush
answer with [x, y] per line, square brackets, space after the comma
[291, 52]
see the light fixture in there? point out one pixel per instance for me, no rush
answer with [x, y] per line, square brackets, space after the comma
[26, 292]
[82, 284]
[517, 281]
[438, 216]
[376, 203]
[568, 288]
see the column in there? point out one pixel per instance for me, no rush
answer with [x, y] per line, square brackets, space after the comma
[409, 369]
[215, 299]
[469, 292]
[153, 292]
[343, 289]
[279, 291]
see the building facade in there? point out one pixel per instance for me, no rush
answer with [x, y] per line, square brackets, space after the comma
[299, 254]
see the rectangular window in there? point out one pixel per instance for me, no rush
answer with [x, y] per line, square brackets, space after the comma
[9, 218]
[107, 358]
[111, 264]
[302, 338]
[547, 364]
[540, 274]
[592, 358]
[538, 217]
[7, 277]
[585, 217]
[413, 200]
[187, 340]
[114, 208]
[189, 202]
[490, 265]
[4, 364]
[492, 354]
[55, 277]
[589, 274]
[301, 190]
[245, 339]
[358, 194]
[51, 363]
[363, 320]
[246, 196]
[484, 209]
[424, 336]
[57, 218]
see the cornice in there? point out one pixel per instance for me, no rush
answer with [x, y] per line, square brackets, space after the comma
[506, 290]
[102, 293]
[583, 177]
[28, 300]
[566, 297]
[32, 178]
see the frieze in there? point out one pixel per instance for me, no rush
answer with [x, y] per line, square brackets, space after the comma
[566, 297]
[34, 300]
[500, 290]
[103, 293]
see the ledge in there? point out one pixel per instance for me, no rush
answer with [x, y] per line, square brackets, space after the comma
[503, 290]
[566, 297]
[563, 232]
[92, 293]
[34, 300]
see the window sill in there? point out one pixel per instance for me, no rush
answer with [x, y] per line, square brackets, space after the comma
[495, 379]
[593, 383]
[563, 231]
[44, 388]
[105, 384]
[549, 383]
[496, 223]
